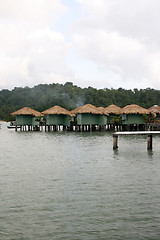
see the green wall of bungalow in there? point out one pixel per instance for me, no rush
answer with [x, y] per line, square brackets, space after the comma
[103, 120]
[88, 118]
[59, 119]
[35, 122]
[22, 120]
[128, 119]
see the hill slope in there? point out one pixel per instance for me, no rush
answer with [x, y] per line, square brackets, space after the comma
[70, 96]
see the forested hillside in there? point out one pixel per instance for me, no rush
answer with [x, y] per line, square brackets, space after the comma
[70, 96]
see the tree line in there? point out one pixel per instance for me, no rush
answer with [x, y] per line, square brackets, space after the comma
[70, 96]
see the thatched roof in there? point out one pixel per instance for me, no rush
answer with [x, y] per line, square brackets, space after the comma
[27, 111]
[57, 110]
[155, 109]
[102, 109]
[113, 109]
[134, 109]
[88, 108]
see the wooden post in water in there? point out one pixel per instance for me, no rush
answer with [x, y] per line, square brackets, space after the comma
[115, 141]
[149, 142]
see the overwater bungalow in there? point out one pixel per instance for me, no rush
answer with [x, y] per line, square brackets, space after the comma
[27, 119]
[89, 117]
[103, 118]
[56, 117]
[154, 124]
[114, 116]
[134, 117]
[155, 109]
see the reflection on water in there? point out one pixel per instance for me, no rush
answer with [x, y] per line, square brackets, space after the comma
[74, 186]
[150, 153]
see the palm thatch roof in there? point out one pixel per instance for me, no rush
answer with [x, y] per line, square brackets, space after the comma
[88, 108]
[57, 110]
[27, 111]
[134, 109]
[155, 109]
[113, 109]
[102, 109]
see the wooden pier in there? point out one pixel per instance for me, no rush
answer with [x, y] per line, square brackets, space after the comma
[149, 135]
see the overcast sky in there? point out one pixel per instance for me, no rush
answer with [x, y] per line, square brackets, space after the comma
[98, 43]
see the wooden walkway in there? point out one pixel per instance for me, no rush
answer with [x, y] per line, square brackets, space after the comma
[148, 133]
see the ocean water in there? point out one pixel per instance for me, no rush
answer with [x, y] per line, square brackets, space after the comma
[74, 186]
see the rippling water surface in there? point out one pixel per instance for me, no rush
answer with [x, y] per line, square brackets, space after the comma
[73, 186]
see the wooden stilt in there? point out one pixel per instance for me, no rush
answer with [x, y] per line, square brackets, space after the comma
[149, 142]
[115, 141]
